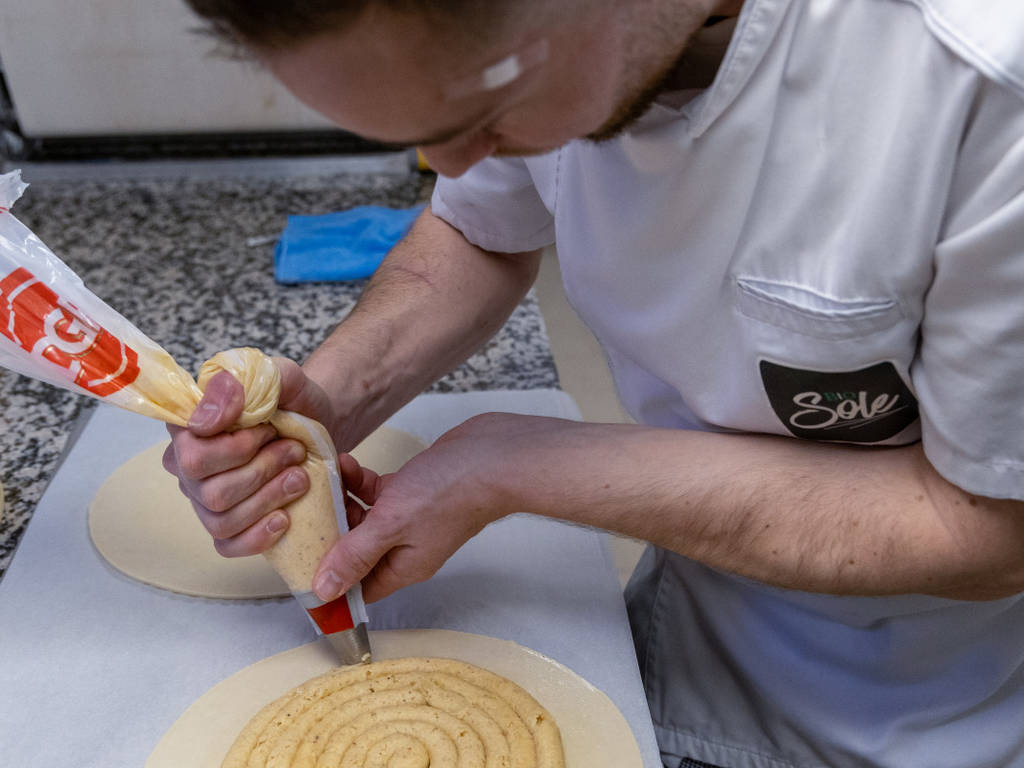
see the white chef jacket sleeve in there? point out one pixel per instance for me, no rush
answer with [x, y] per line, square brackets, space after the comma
[969, 373]
[496, 206]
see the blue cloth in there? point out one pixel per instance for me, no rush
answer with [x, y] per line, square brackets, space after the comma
[347, 245]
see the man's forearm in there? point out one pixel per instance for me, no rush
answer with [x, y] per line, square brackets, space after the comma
[430, 305]
[802, 515]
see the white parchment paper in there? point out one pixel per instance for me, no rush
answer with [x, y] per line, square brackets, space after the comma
[94, 666]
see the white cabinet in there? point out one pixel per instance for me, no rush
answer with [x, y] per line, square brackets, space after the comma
[102, 67]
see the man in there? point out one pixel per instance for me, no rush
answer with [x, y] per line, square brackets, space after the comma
[799, 236]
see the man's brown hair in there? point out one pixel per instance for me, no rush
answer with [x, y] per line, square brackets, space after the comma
[275, 24]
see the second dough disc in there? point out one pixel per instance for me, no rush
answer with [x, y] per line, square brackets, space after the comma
[142, 525]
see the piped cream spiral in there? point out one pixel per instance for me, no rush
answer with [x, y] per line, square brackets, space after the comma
[412, 712]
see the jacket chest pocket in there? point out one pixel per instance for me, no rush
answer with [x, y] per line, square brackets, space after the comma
[830, 369]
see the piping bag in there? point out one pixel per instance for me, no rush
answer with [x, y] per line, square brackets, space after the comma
[52, 328]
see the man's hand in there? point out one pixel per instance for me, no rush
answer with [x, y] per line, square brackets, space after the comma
[792, 513]
[239, 482]
[420, 515]
[431, 304]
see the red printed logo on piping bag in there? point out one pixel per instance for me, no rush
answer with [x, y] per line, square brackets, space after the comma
[40, 322]
[334, 616]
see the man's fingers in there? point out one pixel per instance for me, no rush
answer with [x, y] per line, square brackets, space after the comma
[169, 460]
[301, 394]
[283, 489]
[197, 458]
[361, 482]
[240, 481]
[350, 469]
[257, 538]
[354, 511]
[352, 557]
[293, 382]
[224, 490]
[220, 407]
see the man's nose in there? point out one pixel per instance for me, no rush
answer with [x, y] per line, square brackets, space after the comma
[454, 158]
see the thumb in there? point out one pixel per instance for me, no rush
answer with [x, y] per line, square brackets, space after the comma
[220, 407]
[351, 558]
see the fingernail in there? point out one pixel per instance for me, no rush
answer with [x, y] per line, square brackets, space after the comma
[328, 586]
[277, 523]
[295, 483]
[296, 454]
[205, 415]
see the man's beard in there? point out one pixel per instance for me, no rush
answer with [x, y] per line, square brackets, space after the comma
[635, 105]
[630, 109]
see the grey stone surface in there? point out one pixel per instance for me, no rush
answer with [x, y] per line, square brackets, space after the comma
[173, 257]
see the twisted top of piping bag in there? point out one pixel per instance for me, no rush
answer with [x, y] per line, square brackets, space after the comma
[258, 374]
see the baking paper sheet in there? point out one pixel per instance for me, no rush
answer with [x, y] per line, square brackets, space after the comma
[94, 667]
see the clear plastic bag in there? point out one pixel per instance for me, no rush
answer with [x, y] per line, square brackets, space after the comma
[55, 329]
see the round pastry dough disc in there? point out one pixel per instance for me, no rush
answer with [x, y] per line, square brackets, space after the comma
[594, 732]
[144, 527]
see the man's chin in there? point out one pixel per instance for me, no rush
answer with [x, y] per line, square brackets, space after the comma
[523, 151]
[622, 122]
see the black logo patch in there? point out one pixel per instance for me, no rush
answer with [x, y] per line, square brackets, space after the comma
[865, 406]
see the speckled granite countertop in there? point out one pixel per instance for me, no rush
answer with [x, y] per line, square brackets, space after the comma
[172, 256]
